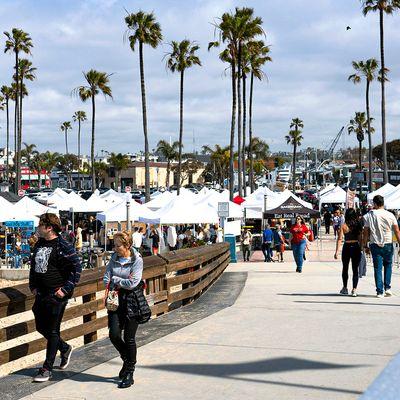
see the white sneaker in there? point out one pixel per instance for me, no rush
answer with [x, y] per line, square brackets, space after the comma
[354, 293]
[380, 296]
[388, 293]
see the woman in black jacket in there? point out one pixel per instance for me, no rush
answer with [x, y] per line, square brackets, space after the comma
[124, 273]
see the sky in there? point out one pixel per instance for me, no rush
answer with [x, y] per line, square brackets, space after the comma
[311, 49]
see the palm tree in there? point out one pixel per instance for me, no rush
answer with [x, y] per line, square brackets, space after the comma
[7, 94]
[259, 152]
[220, 161]
[143, 29]
[101, 170]
[182, 56]
[38, 164]
[79, 116]
[294, 138]
[384, 7]
[120, 162]
[29, 153]
[170, 152]
[359, 125]
[258, 56]
[26, 72]
[247, 28]
[65, 127]
[68, 163]
[17, 42]
[368, 69]
[97, 82]
[50, 161]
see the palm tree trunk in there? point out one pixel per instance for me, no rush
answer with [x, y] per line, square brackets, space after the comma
[144, 115]
[19, 136]
[66, 141]
[244, 136]
[370, 168]
[239, 122]
[92, 144]
[360, 155]
[17, 163]
[79, 154]
[168, 172]
[180, 132]
[251, 175]
[8, 142]
[232, 139]
[383, 104]
[294, 167]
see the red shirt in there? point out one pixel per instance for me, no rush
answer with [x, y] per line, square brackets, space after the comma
[298, 233]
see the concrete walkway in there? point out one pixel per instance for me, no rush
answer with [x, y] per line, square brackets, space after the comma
[288, 336]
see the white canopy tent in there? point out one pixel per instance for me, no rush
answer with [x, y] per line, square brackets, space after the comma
[392, 201]
[181, 210]
[118, 213]
[336, 196]
[384, 191]
[326, 189]
[160, 200]
[31, 207]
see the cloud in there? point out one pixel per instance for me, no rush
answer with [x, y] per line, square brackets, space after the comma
[310, 46]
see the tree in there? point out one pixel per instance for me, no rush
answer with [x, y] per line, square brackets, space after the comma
[7, 94]
[189, 167]
[384, 7]
[101, 170]
[170, 153]
[393, 148]
[79, 116]
[368, 70]
[218, 168]
[120, 162]
[39, 164]
[259, 149]
[65, 127]
[182, 56]
[97, 82]
[51, 160]
[143, 29]
[294, 138]
[17, 42]
[359, 126]
[258, 56]
[67, 163]
[29, 153]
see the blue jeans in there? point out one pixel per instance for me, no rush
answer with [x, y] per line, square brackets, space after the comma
[298, 253]
[382, 258]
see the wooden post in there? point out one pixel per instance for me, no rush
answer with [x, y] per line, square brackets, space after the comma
[90, 337]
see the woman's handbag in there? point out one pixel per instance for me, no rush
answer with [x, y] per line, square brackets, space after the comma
[111, 301]
[144, 311]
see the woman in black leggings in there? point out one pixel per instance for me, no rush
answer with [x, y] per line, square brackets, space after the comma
[351, 232]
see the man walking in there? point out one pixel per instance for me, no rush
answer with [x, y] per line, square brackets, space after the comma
[55, 271]
[268, 237]
[246, 244]
[379, 226]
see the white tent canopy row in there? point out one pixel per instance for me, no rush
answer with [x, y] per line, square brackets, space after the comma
[392, 200]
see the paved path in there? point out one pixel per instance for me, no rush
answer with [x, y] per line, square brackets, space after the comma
[288, 336]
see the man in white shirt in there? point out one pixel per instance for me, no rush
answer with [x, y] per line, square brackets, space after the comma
[137, 238]
[379, 226]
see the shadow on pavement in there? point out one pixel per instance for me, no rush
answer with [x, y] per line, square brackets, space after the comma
[348, 302]
[267, 366]
[326, 295]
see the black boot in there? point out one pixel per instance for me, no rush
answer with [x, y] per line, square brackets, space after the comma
[123, 370]
[126, 381]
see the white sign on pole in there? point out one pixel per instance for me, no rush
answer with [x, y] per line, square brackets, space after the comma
[223, 209]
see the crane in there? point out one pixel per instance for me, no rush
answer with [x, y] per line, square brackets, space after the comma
[334, 143]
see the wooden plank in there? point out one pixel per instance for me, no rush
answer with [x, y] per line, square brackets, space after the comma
[192, 291]
[157, 297]
[193, 276]
[92, 336]
[24, 328]
[34, 346]
[159, 308]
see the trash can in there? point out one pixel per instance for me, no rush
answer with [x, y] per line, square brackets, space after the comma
[231, 239]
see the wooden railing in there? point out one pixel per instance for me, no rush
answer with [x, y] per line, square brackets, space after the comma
[173, 279]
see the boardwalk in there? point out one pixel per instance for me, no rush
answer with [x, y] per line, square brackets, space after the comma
[287, 336]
